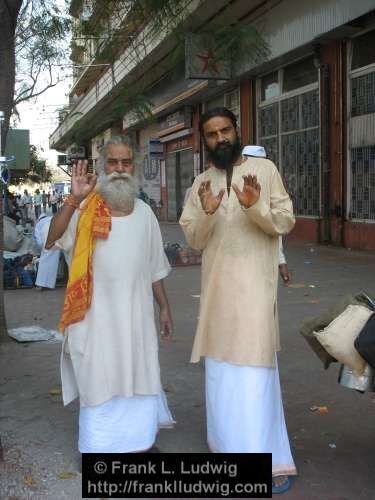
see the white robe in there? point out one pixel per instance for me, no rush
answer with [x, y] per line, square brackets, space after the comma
[110, 358]
[49, 259]
[113, 351]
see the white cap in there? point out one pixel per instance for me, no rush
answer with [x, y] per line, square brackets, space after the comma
[254, 151]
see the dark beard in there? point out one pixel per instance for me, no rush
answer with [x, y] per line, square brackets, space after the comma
[225, 155]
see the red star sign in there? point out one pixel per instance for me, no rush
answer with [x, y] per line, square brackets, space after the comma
[209, 62]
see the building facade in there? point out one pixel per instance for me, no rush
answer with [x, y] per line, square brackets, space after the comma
[310, 103]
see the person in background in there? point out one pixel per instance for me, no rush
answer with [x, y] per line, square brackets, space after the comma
[37, 204]
[49, 259]
[259, 152]
[11, 209]
[54, 201]
[60, 199]
[26, 201]
[44, 201]
[17, 204]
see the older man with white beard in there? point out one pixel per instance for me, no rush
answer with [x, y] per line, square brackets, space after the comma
[117, 265]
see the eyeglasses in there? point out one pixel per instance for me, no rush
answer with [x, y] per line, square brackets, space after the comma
[112, 162]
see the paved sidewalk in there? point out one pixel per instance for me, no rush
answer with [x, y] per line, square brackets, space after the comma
[334, 452]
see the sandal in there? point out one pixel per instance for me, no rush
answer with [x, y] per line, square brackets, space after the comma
[281, 488]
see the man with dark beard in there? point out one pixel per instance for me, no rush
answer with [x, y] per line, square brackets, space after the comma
[235, 213]
[117, 265]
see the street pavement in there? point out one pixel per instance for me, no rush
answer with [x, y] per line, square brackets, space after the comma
[334, 450]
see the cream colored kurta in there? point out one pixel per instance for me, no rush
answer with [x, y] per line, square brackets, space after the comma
[113, 351]
[238, 310]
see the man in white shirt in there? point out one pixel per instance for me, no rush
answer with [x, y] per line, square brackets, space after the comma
[53, 201]
[37, 204]
[117, 266]
[25, 205]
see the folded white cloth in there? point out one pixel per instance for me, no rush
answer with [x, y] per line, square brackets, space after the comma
[258, 151]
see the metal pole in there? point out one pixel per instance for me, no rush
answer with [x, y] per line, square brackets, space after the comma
[2, 163]
[1, 121]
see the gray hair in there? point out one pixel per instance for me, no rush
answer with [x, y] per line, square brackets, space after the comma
[117, 140]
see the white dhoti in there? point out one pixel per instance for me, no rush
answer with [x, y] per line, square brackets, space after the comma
[123, 425]
[245, 413]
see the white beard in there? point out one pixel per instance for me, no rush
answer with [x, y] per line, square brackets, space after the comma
[118, 190]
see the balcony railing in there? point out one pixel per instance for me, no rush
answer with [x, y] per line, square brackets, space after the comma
[146, 41]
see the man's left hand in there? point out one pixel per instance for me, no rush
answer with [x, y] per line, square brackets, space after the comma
[250, 193]
[166, 323]
[285, 274]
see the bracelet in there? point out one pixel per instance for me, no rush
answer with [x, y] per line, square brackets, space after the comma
[71, 202]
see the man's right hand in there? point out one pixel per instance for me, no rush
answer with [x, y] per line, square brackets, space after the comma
[82, 182]
[210, 202]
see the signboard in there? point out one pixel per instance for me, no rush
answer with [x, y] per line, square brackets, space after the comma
[180, 144]
[176, 121]
[62, 187]
[155, 147]
[201, 60]
[18, 145]
[76, 152]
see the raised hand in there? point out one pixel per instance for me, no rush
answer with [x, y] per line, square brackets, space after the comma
[210, 202]
[82, 182]
[250, 193]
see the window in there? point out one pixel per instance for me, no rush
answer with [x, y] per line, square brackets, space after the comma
[270, 86]
[363, 50]
[288, 128]
[363, 94]
[290, 78]
[361, 157]
[363, 183]
[299, 74]
[230, 100]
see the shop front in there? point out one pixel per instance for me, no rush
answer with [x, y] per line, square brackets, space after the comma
[179, 165]
[175, 132]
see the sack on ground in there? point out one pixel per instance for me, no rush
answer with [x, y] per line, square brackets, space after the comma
[338, 337]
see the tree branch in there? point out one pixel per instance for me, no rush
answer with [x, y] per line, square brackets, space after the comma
[18, 100]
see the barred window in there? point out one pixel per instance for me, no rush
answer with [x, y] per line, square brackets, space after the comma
[289, 130]
[363, 183]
